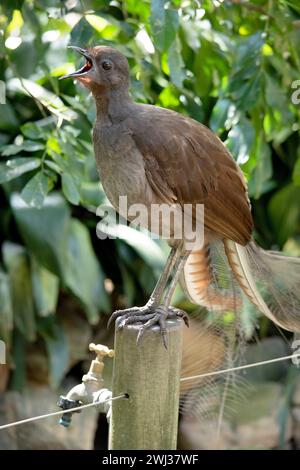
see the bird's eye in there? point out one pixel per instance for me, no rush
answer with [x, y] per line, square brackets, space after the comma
[106, 65]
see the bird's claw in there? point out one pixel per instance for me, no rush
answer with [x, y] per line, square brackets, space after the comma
[148, 316]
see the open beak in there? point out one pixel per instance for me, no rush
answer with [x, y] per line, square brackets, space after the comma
[83, 70]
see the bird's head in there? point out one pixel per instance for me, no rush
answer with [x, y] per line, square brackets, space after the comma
[105, 68]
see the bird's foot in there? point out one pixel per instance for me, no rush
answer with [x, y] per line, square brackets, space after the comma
[148, 316]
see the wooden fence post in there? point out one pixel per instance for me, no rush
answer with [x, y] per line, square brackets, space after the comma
[150, 375]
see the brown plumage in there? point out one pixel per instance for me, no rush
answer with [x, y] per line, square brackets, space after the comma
[154, 155]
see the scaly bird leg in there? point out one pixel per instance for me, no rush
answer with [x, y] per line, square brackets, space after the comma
[164, 311]
[137, 314]
[157, 311]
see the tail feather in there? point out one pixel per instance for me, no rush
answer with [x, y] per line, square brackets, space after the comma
[270, 280]
[201, 284]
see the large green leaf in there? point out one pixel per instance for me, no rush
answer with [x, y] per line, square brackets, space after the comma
[45, 289]
[82, 272]
[6, 309]
[164, 24]
[70, 189]
[176, 64]
[263, 170]
[17, 265]
[284, 211]
[44, 230]
[57, 348]
[140, 241]
[48, 99]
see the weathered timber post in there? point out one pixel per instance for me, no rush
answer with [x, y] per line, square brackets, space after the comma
[150, 375]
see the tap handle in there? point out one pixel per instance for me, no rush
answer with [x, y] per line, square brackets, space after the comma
[101, 351]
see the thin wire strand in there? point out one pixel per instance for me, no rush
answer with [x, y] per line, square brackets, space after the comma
[184, 379]
[232, 369]
[57, 413]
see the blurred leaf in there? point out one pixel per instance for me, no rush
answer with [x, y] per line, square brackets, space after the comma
[32, 131]
[17, 167]
[296, 172]
[285, 221]
[240, 140]
[138, 240]
[36, 190]
[27, 146]
[16, 262]
[44, 230]
[45, 289]
[57, 347]
[6, 317]
[48, 99]
[164, 24]
[18, 380]
[8, 118]
[176, 64]
[219, 115]
[263, 169]
[92, 194]
[81, 33]
[82, 272]
[70, 189]
[10, 5]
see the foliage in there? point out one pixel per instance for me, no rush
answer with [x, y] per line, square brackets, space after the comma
[228, 64]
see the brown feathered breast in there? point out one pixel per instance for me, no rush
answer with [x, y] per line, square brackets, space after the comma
[187, 163]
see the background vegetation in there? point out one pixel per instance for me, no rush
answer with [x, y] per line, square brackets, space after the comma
[229, 64]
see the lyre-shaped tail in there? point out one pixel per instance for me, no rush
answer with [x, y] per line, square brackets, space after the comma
[270, 280]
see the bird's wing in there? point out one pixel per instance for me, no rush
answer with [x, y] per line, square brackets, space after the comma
[187, 163]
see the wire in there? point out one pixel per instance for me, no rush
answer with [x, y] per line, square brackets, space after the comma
[232, 369]
[57, 413]
[184, 379]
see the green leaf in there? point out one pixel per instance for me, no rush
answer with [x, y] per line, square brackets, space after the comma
[36, 190]
[296, 172]
[44, 230]
[57, 347]
[240, 140]
[17, 265]
[16, 167]
[18, 380]
[26, 146]
[92, 194]
[284, 211]
[219, 115]
[45, 289]
[164, 25]
[70, 189]
[263, 170]
[176, 64]
[82, 33]
[48, 99]
[82, 272]
[32, 131]
[6, 316]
